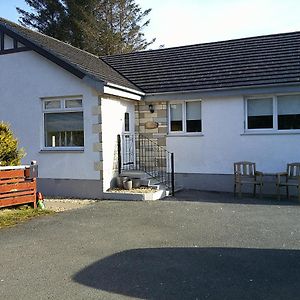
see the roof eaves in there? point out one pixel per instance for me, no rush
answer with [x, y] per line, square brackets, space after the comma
[75, 70]
[89, 79]
[125, 89]
[94, 83]
[159, 95]
[138, 90]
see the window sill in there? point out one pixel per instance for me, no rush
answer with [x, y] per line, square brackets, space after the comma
[272, 132]
[61, 150]
[185, 134]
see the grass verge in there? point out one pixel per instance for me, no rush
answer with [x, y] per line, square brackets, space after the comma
[10, 217]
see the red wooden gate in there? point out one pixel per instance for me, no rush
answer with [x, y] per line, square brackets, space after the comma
[16, 186]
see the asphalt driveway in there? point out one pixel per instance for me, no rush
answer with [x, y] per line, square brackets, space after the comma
[210, 246]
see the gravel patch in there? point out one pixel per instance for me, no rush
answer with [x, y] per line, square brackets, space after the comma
[141, 190]
[59, 204]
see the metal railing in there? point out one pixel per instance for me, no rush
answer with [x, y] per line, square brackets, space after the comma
[137, 152]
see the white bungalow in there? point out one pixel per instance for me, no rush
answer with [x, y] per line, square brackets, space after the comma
[209, 104]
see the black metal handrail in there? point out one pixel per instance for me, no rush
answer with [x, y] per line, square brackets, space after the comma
[137, 152]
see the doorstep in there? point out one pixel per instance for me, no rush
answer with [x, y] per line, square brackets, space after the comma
[150, 196]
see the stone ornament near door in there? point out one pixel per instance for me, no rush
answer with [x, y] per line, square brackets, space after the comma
[151, 125]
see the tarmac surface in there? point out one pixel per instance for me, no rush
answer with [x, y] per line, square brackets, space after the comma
[194, 246]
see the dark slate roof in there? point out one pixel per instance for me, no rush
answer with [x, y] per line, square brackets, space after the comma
[84, 62]
[248, 62]
[257, 61]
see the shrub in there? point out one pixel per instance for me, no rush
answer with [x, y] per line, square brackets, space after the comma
[10, 154]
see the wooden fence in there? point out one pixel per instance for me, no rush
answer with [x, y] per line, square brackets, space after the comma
[16, 186]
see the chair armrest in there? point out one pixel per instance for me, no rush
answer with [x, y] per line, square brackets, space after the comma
[278, 175]
[282, 174]
[259, 175]
[236, 173]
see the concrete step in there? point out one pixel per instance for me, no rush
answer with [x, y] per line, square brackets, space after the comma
[159, 194]
[148, 180]
[135, 174]
[145, 182]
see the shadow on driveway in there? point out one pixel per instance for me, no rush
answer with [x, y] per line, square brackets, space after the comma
[197, 273]
[225, 197]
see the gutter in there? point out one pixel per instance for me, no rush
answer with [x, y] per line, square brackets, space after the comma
[242, 90]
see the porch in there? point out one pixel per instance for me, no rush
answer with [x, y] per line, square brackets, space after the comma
[142, 159]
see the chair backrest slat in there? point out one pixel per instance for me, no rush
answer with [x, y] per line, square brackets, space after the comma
[244, 168]
[293, 170]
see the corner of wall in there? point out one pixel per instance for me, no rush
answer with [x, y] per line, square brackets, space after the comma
[97, 147]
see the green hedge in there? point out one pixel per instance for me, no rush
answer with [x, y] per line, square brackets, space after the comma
[10, 154]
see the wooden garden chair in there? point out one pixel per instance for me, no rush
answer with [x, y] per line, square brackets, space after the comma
[289, 178]
[245, 173]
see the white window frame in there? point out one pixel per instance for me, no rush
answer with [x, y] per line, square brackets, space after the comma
[183, 131]
[62, 109]
[275, 116]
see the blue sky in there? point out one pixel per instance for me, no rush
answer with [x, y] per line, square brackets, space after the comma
[182, 22]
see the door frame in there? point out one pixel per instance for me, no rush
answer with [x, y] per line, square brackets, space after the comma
[128, 149]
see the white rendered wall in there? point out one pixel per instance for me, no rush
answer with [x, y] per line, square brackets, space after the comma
[25, 78]
[113, 111]
[223, 143]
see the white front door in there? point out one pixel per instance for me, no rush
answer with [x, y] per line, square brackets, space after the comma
[128, 142]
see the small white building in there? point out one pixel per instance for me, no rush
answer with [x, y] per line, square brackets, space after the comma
[209, 104]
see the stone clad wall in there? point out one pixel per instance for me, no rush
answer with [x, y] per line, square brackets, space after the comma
[143, 115]
[97, 147]
[157, 135]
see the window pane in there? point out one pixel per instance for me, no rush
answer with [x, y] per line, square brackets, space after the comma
[260, 107]
[260, 113]
[193, 110]
[193, 116]
[126, 122]
[288, 112]
[52, 104]
[64, 129]
[73, 103]
[176, 117]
